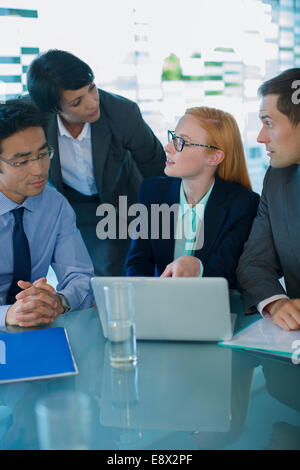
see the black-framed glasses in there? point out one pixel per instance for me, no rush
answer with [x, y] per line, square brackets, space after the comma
[179, 142]
[43, 155]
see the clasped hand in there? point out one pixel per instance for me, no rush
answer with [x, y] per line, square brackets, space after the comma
[37, 304]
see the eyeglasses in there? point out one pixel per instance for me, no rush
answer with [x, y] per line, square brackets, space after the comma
[179, 143]
[47, 153]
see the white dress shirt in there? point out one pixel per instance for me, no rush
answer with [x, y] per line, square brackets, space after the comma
[265, 302]
[76, 159]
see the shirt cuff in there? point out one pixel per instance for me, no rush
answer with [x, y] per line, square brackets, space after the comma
[78, 300]
[263, 303]
[3, 312]
[201, 268]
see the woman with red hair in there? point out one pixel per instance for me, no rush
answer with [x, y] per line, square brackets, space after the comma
[208, 184]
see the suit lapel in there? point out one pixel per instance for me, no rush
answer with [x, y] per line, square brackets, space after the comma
[169, 196]
[55, 175]
[290, 207]
[214, 217]
[101, 138]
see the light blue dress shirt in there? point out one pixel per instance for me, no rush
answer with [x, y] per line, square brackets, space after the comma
[50, 226]
[188, 224]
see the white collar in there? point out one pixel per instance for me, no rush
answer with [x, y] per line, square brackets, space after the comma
[63, 131]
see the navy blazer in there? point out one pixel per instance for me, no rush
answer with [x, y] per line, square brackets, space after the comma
[228, 217]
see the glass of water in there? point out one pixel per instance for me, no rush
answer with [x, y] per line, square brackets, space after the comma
[120, 323]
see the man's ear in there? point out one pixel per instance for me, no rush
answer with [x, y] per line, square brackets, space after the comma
[216, 158]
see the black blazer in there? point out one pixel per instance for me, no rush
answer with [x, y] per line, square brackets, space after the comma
[228, 217]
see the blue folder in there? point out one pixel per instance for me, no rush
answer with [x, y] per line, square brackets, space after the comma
[35, 354]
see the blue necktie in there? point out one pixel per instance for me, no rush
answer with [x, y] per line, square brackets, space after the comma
[22, 260]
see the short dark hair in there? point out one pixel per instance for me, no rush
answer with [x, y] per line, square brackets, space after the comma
[282, 85]
[52, 71]
[16, 116]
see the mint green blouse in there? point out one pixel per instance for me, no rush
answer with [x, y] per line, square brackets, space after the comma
[188, 223]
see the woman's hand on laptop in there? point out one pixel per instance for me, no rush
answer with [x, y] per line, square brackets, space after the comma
[184, 266]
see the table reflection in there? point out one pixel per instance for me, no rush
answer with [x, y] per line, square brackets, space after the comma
[180, 395]
[283, 384]
[175, 386]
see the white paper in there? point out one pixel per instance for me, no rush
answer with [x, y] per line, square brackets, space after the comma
[264, 335]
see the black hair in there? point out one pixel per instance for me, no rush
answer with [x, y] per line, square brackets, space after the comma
[52, 71]
[16, 116]
[285, 86]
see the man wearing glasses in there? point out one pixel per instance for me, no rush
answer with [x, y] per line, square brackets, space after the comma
[37, 228]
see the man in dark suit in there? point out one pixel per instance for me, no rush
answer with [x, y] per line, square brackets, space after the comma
[273, 248]
[103, 147]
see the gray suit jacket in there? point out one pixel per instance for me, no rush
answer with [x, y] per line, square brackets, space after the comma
[124, 149]
[273, 247]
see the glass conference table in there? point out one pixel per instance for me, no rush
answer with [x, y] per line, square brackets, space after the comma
[183, 396]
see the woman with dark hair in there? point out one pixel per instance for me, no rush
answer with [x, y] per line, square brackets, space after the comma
[103, 147]
[208, 181]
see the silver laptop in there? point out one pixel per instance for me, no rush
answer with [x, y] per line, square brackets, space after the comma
[182, 309]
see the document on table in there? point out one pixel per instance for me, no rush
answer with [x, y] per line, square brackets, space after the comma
[35, 354]
[263, 335]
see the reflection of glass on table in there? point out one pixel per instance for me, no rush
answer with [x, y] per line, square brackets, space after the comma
[189, 388]
[124, 386]
[64, 421]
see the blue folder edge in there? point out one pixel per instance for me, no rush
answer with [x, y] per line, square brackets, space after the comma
[36, 354]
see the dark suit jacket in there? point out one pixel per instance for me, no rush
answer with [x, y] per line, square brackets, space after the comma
[124, 149]
[273, 248]
[227, 221]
